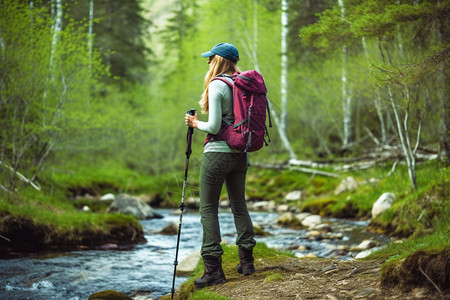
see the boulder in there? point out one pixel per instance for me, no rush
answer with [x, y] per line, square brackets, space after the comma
[288, 219]
[302, 216]
[382, 204]
[129, 205]
[258, 230]
[107, 197]
[293, 196]
[347, 184]
[170, 229]
[312, 220]
[188, 264]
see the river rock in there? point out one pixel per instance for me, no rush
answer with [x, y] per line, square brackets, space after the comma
[108, 197]
[282, 208]
[302, 216]
[224, 204]
[109, 295]
[258, 230]
[170, 229]
[188, 264]
[364, 245]
[260, 205]
[310, 255]
[193, 202]
[322, 227]
[293, 196]
[312, 220]
[313, 235]
[332, 235]
[382, 204]
[127, 204]
[288, 219]
[347, 184]
[367, 252]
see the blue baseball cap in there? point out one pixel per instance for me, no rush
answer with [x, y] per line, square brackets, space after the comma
[226, 50]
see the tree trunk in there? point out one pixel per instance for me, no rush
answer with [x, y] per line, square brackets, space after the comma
[346, 97]
[282, 122]
[377, 100]
[409, 155]
[91, 37]
[444, 101]
[251, 51]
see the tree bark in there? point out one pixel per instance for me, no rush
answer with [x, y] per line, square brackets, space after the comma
[346, 97]
[377, 100]
[282, 122]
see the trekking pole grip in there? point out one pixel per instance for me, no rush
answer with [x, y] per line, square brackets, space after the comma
[192, 113]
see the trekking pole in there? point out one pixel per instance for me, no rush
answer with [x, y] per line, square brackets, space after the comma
[190, 132]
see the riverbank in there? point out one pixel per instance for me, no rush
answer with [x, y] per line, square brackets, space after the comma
[413, 274]
[61, 222]
[309, 278]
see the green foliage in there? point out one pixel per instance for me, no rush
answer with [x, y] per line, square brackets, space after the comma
[121, 33]
[46, 81]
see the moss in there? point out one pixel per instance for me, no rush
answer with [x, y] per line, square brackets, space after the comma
[322, 206]
[428, 268]
[109, 295]
[205, 294]
[274, 277]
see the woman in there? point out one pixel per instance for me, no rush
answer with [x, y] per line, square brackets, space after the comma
[221, 164]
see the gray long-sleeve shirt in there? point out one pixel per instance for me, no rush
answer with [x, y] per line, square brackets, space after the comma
[220, 106]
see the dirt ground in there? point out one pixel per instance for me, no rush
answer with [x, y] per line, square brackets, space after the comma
[316, 279]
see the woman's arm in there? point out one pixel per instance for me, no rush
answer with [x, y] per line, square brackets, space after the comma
[215, 95]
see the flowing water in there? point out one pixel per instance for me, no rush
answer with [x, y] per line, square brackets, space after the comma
[148, 268]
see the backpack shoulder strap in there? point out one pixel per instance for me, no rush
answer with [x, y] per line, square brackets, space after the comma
[224, 80]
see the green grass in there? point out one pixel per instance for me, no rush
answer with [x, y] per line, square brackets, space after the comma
[230, 259]
[397, 251]
[205, 294]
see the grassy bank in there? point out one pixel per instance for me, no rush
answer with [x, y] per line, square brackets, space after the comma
[53, 219]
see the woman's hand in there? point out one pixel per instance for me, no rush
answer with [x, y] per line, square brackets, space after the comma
[191, 121]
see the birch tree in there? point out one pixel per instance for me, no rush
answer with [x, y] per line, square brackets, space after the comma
[376, 100]
[250, 44]
[346, 97]
[281, 122]
[91, 32]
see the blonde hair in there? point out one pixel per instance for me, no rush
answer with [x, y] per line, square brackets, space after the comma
[218, 65]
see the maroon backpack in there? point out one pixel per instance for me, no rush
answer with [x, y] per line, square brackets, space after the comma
[249, 130]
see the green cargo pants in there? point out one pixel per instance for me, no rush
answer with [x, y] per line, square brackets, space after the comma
[217, 168]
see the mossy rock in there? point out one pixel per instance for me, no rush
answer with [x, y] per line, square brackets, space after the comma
[109, 295]
[289, 220]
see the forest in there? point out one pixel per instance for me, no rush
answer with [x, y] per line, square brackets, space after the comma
[86, 82]
[95, 91]
[97, 81]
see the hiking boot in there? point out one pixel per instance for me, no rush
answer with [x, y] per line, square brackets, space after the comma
[245, 266]
[213, 273]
